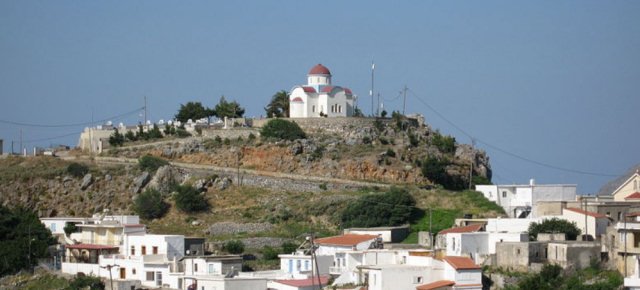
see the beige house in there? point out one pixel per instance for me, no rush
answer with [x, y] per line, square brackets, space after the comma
[629, 190]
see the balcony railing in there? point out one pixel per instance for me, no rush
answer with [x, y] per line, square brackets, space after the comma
[337, 270]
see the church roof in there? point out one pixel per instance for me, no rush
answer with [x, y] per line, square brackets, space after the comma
[348, 91]
[297, 99]
[327, 89]
[308, 89]
[319, 69]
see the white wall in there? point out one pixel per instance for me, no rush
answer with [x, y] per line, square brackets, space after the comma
[595, 227]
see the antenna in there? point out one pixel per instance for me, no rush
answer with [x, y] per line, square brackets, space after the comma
[373, 68]
[404, 100]
[145, 111]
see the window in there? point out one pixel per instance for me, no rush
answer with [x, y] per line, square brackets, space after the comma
[298, 264]
[144, 250]
[155, 250]
[133, 250]
[636, 239]
[133, 271]
[150, 276]
[619, 215]
[504, 194]
[53, 227]
[313, 108]
[195, 267]
[517, 251]
[306, 265]
[609, 214]
[158, 278]
[417, 280]
[210, 268]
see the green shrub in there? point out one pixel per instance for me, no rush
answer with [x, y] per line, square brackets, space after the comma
[234, 247]
[269, 253]
[282, 129]
[390, 153]
[366, 140]
[182, 133]
[391, 208]
[227, 141]
[151, 163]
[323, 186]
[436, 170]
[252, 137]
[77, 170]
[150, 204]
[554, 225]
[446, 144]
[413, 140]
[378, 125]
[70, 228]
[189, 200]
[86, 282]
[289, 247]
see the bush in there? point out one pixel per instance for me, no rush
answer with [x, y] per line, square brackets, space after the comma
[446, 144]
[436, 170]
[289, 247]
[151, 163]
[269, 253]
[86, 282]
[234, 247]
[182, 133]
[77, 170]
[282, 129]
[150, 205]
[189, 200]
[392, 208]
[252, 137]
[390, 153]
[554, 225]
[116, 139]
[70, 228]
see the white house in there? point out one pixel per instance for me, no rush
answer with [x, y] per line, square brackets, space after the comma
[299, 265]
[348, 242]
[628, 190]
[632, 282]
[216, 272]
[299, 284]
[519, 201]
[319, 97]
[596, 222]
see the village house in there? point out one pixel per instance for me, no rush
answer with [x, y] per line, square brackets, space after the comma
[520, 201]
[628, 190]
[596, 223]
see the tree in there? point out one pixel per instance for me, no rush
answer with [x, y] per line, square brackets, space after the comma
[70, 228]
[554, 225]
[435, 169]
[279, 105]
[189, 200]
[357, 112]
[77, 170]
[116, 139]
[151, 163]
[23, 240]
[234, 247]
[391, 208]
[282, 129]
[228, 109]
[130, 136]
[446, 144]
[150, 204]
[193, 111]
[155, 133]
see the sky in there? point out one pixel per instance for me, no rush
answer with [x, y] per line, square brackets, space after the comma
[548, 88]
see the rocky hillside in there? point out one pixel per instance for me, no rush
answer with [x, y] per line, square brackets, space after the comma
[378, 151]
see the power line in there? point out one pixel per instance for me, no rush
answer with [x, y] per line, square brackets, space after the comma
[50, 138]
[543, 164]
[69, 125]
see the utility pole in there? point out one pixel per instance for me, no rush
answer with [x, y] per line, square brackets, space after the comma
[145, 111]
[586, 226]
[373, 67]
[404, 99]
[473, 160]
[108, 267]
[20, 141]
[625, 241]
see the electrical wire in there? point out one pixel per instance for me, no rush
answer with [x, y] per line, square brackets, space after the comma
[70, 125]
[514, 155]
[49, 138]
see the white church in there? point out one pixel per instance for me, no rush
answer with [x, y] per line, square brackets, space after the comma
[319, 98]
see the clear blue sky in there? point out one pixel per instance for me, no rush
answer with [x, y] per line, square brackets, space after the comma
[556, 82]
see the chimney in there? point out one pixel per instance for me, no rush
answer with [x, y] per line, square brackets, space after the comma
[532, 182]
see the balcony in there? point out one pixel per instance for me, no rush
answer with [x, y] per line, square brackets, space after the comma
[337, 270]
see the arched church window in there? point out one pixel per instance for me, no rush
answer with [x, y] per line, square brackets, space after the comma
[313, 109]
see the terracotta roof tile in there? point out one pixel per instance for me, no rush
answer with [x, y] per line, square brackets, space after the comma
[589, 213]
[309, 89]
[461, 263]
[345, 240]
[466, 229]
[304, 282]
[436, 285]
[635, 195]
[319, 69]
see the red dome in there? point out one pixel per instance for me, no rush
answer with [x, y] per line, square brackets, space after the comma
[319, 69]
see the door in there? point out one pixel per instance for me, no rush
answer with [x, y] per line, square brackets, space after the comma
[123, 273]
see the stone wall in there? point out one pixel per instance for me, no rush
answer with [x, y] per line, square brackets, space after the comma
[335, 124]
[231, 134]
